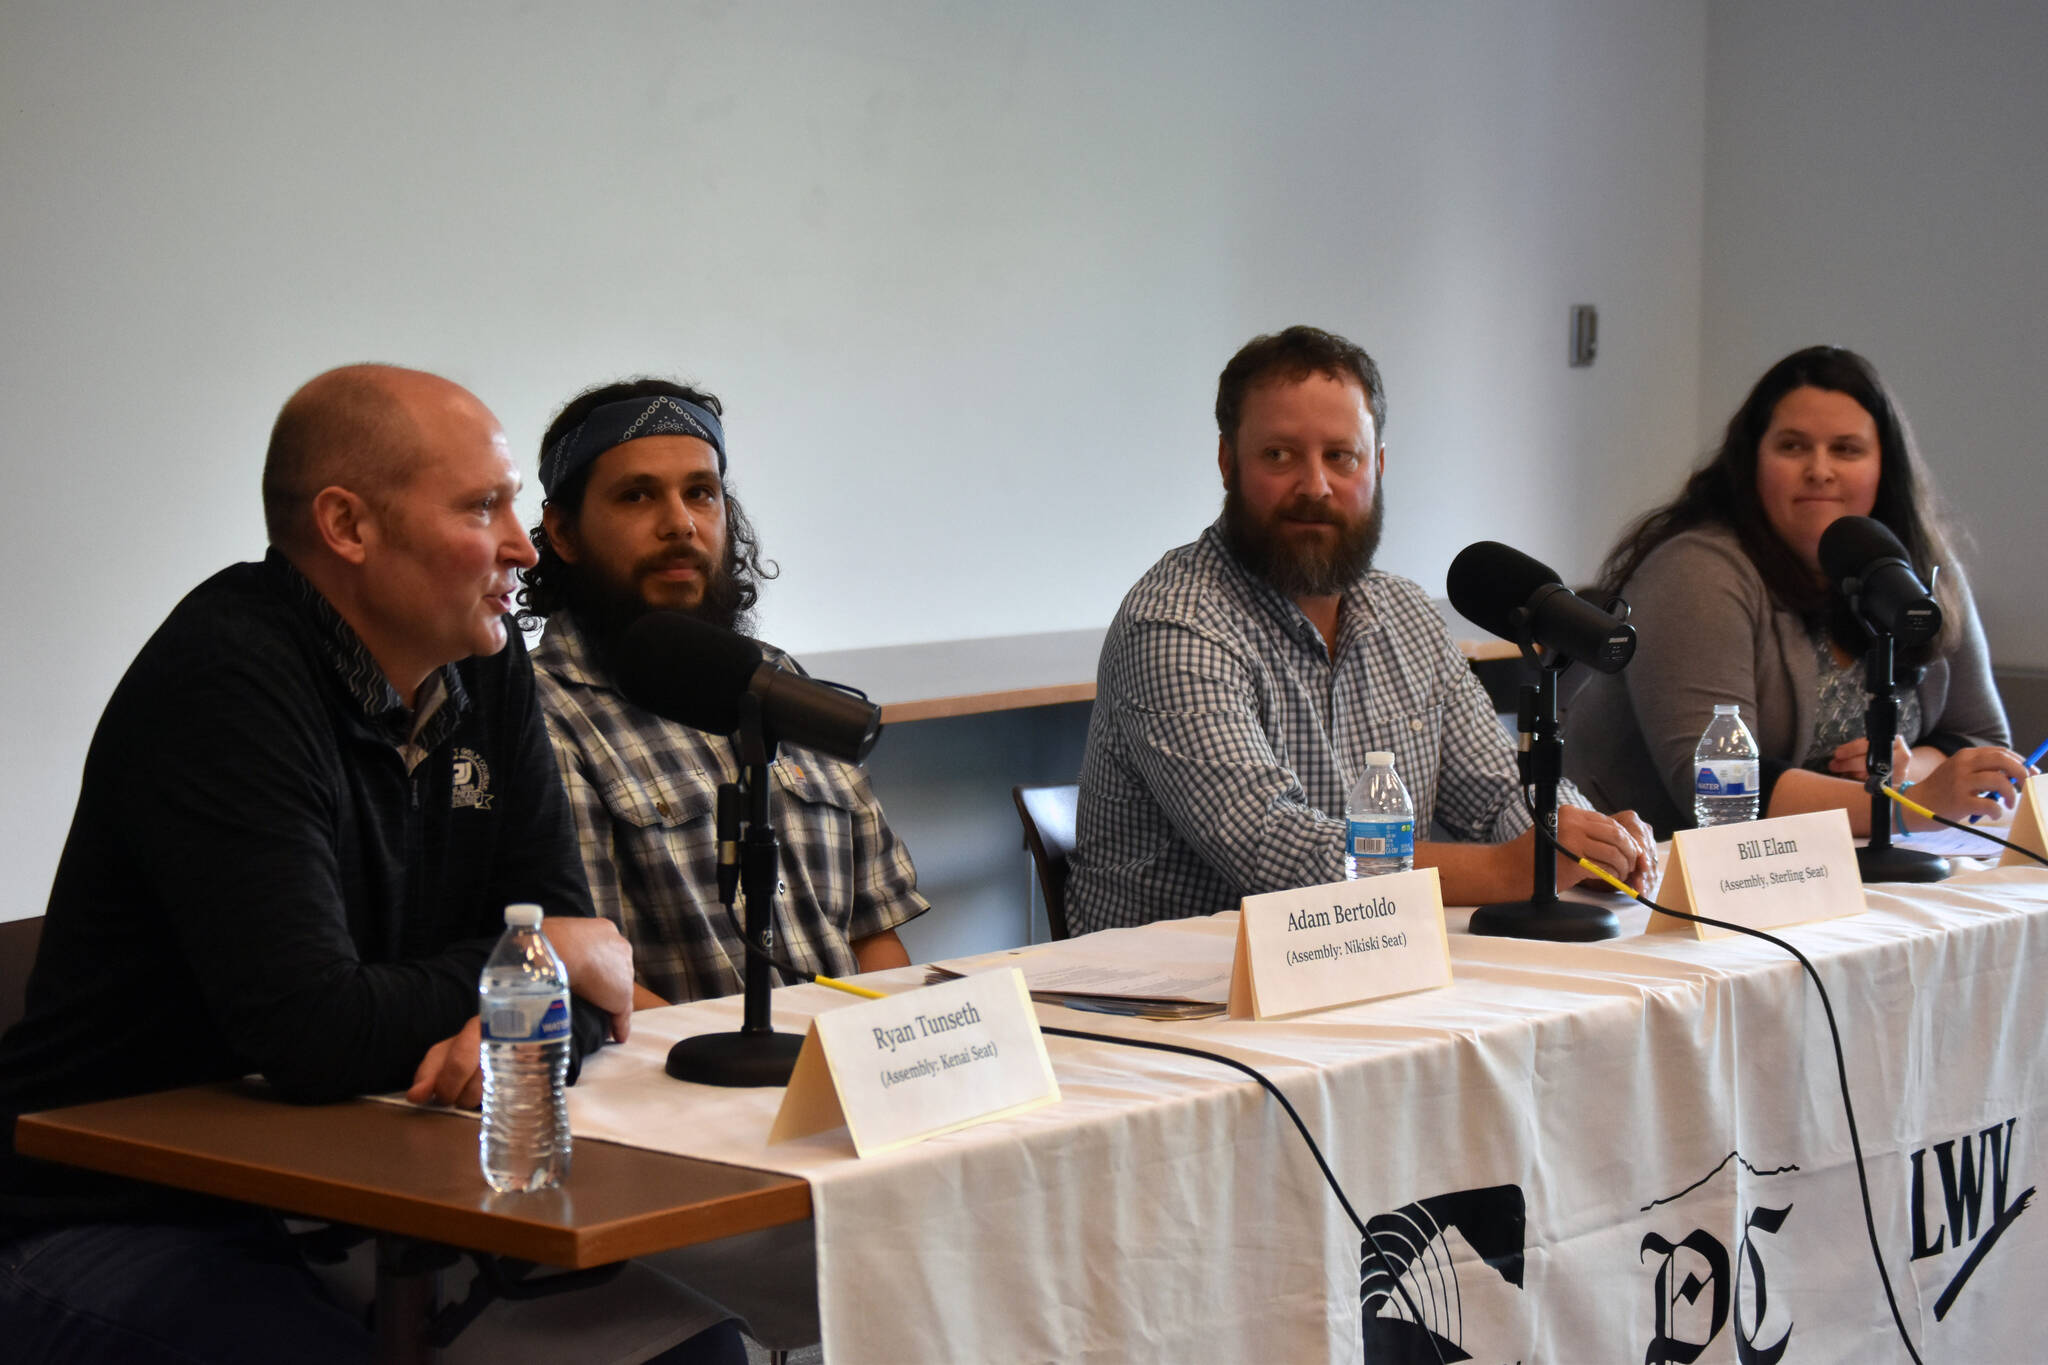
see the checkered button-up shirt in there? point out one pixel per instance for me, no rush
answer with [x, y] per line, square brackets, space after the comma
[643, 791]
[1225, 737]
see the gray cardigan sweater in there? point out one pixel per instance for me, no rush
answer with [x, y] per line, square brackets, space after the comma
[1707, 631]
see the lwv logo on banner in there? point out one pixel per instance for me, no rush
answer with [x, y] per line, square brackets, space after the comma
[1957, 1214]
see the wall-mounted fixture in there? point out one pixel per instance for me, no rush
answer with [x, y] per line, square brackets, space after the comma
[1585, 334]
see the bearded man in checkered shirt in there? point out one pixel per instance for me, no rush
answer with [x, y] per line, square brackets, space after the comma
[1247, 675]
[638, 517]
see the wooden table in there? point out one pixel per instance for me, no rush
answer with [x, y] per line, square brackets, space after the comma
[945, 678]
[410, 1174]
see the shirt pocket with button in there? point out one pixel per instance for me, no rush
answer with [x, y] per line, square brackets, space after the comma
[815, 818]
[662, 800]
[667, 848]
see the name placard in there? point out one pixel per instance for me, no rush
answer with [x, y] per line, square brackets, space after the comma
[2029, 823]
[919, 1064]
[1339, 944]
[1762, 873]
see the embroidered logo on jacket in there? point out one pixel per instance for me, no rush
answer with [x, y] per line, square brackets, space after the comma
[472, 782]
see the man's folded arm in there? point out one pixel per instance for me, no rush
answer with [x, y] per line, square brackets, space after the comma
[235, 833]
[1188, 711]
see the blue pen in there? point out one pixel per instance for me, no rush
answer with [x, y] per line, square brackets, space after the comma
[2032, 760]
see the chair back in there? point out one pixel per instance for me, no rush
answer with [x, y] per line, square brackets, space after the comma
[1048, 816]
[18, 940]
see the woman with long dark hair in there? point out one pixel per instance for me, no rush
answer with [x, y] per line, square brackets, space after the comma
[1731, 606]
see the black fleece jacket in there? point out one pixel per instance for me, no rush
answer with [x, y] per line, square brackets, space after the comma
[254, 882]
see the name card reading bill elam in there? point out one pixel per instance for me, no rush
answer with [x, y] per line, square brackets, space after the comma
[1764, 874]
[1321, 946]
[919, 1064]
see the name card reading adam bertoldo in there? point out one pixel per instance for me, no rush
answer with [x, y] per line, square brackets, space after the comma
[919, 1064]
[1762, 873]
[1339, 944]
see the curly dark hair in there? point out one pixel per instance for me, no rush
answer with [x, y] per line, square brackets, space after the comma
[551, 584]
[1294, 355]
[1722, 491]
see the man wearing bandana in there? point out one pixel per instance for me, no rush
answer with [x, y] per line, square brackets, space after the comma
[638, 518]
[1247, 676]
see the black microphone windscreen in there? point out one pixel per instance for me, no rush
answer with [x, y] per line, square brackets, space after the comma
[686, 670]
[1488, 580]
[1852, 544]
[1887, 594]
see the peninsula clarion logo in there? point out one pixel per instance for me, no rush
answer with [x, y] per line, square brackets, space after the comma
[1700, 1288]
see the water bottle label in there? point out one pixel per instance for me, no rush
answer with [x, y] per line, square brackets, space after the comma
[1382, 838]
[1731, 777]
[529, 1019]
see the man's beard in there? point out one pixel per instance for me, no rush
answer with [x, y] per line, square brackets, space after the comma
[1303, 566]
[605, 608]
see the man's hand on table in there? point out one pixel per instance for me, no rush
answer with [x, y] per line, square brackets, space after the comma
[452, 1071]
[600, 963]
[1621, 844]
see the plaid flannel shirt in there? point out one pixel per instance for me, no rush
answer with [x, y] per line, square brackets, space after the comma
[1225, 738]
[643, 790]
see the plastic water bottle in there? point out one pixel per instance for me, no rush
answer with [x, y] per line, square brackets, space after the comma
[1380, 821]
[1726, 777]
[523, 999]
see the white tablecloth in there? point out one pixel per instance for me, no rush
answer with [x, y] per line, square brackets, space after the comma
[1621, 1151]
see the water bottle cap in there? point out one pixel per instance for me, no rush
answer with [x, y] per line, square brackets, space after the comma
[522, 917]
[1380, 758]
[1727, 709]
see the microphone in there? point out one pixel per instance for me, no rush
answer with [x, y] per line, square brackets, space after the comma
[1516, 597]
[695, 673]
[1865, 560]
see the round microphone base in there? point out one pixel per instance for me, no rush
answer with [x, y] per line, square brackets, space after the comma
[1890, 863]
[735, 1059]
[1553, 921]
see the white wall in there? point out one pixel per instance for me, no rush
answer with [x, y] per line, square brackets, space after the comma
[1877, 177]
[963, 273]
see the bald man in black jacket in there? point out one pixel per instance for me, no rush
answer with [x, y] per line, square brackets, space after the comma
[303, 813]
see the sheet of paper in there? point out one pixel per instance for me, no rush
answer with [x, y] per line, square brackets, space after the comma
[1192, 967]
[1953, 843]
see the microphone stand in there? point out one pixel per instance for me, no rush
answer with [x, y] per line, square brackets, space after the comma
[1540, 761]
[1880, 860]
[756, 1055]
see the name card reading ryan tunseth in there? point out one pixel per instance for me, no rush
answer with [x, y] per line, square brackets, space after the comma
[1762, 873]
[1339, 944]
[919, 1064]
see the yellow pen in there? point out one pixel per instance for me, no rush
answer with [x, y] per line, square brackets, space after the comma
[850, 988]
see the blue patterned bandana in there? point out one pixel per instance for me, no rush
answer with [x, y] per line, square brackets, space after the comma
[629, 419]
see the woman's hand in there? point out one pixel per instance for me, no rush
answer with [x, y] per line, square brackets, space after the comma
[1973, 782]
